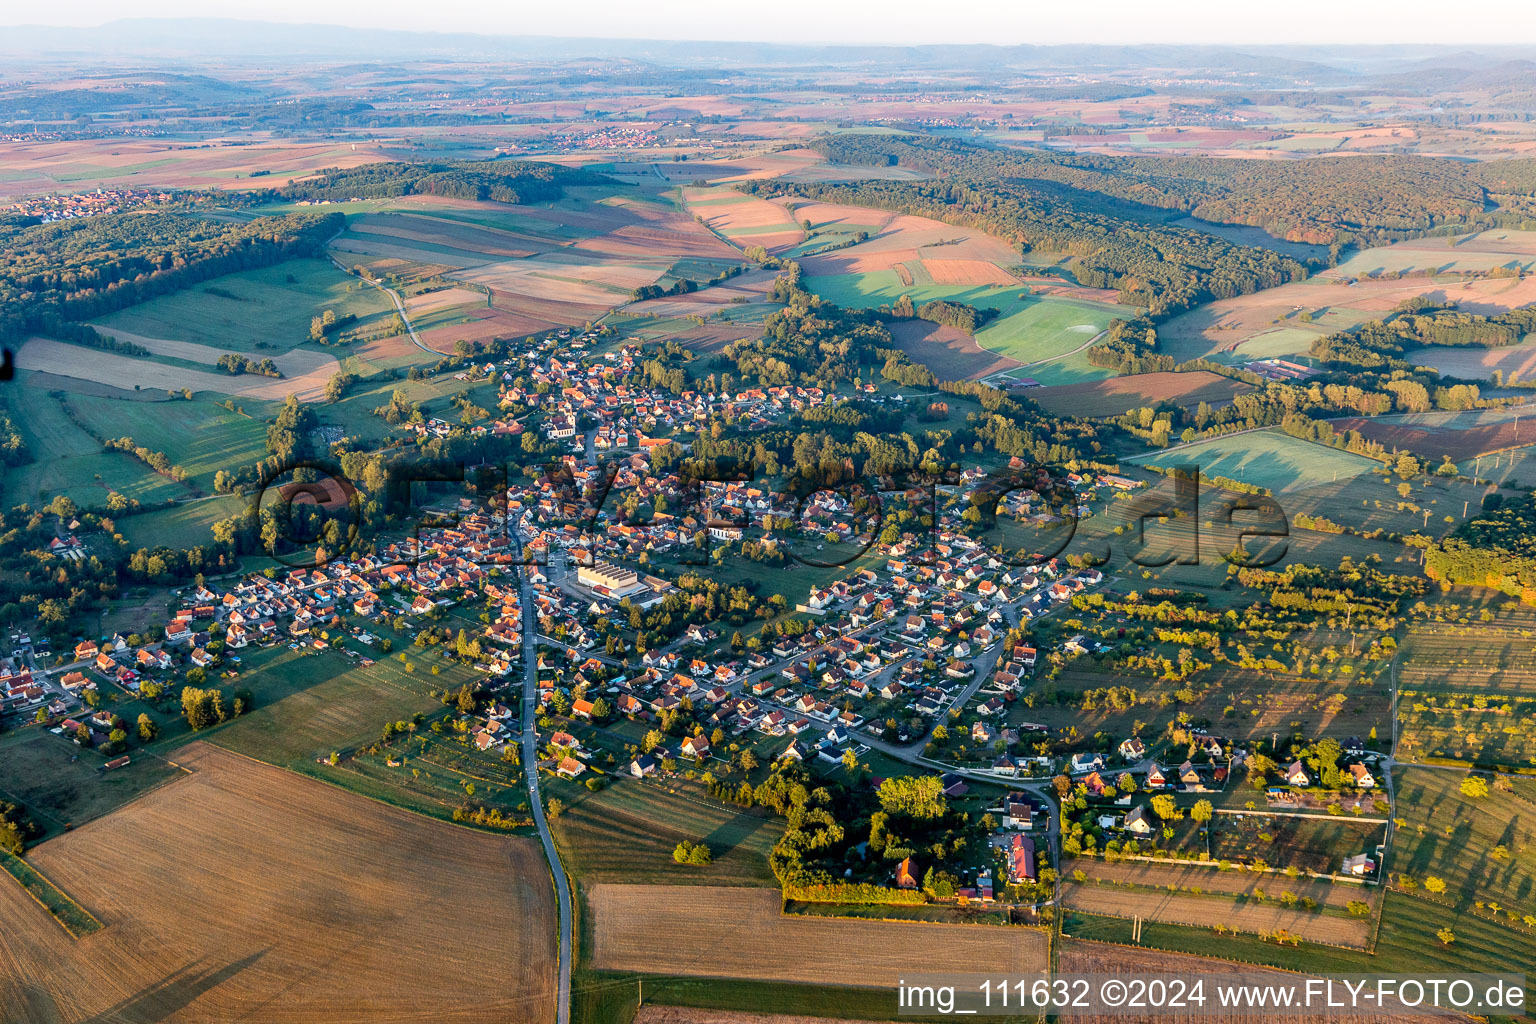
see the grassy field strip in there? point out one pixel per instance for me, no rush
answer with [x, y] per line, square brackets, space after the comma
[72, 917]
[1189, 909]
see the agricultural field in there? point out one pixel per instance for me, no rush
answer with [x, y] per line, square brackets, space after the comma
[1265, 458]
[198, 436]
[948, 351]
[721, 932]
[354, 414]
[1371, 502]
[66, 460]
[1483, 251]
[1072, 368]
[1483, 848]
[1465, 686]
[745, 220]
[1408, 940]
[84, 164]
[1028, 329]
[626, 832]
[258, 313]
[1472, 362]
[1206, 877]
[1088, 957]
[1158, 555]
[1459, 435]
[318, 702]
[1475, 729]
[1238, 914]
[307, 382]
[308, 897]
[1494, 655]
[1116, 395]
[187, 524]
[1340, 699]
[530, 268]
[433, 774]
[1283, 322]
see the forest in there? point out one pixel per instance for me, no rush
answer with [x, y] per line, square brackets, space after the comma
[52, 276]
[1112, 243]
[1361, 201]
[506, 181]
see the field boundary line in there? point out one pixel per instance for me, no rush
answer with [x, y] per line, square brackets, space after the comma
[364, 796]
[7, 858]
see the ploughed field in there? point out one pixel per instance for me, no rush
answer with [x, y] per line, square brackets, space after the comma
[243, 892]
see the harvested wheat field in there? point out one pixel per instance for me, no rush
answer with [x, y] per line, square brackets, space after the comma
[741, 933]
[905, 238]
[1178, 908]
[745, 220]
[712, 337]
[244, 892]
[129, 371]
[1078, 957]
[444, 298]
[967, 272]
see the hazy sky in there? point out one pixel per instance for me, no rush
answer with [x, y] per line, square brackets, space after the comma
[870, 21]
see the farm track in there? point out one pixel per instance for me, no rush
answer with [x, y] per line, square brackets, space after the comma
[405, 317]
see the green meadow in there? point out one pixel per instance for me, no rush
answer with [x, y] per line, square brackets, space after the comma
[1265, 458]
[1028, 328]
[253, 311]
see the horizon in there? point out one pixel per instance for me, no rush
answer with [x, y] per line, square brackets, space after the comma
[1121, 23]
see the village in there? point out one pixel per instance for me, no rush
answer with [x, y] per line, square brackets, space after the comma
[913, 649]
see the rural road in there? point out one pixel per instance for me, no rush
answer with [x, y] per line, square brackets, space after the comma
[536, 804]
[399, 308]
